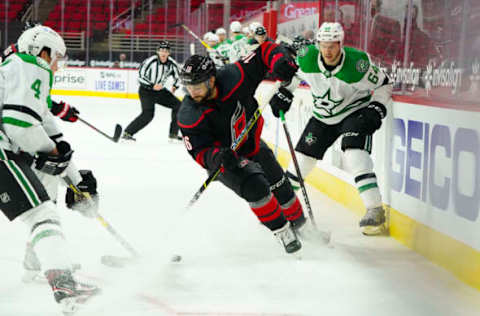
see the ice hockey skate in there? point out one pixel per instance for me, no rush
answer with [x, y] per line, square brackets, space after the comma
[373, 222]
[127, 138]
[69, 293]
[174, 139]
[32, 268]
[287, 237]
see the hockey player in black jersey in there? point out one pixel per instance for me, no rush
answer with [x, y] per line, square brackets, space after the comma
[214, 113]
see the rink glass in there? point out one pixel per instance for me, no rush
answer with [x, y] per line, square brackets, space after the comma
[430, 48]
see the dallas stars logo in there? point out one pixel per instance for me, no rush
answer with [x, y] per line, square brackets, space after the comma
[310, 139]
[325, 102]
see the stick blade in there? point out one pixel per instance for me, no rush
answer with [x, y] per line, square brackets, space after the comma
[117, 133]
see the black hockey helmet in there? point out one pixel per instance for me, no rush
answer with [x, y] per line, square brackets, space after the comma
[197, 69]
[163, 45]
[260, 30]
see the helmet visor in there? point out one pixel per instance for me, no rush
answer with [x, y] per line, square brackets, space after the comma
[59, 61]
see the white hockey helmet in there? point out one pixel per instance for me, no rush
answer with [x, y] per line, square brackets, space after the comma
[220, 31]
[235, 27]
[253, 26]
[33, 40]
[330, 32]
[210, 37]
[207, 36]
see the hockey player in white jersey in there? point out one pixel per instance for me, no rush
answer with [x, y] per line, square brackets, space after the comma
[212, 40]
[350, 96]
[30, 144]
[224, 44]
[239, 47]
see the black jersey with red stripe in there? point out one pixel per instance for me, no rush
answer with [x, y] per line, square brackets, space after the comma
[216, 123]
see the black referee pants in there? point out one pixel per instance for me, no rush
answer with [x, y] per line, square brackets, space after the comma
[148, 98]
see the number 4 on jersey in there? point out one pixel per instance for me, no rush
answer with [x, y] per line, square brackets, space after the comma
[36, 87]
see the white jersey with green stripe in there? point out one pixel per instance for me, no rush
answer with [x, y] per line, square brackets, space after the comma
[224, 48]
[349, 87]
[239, 48]
[26, 121]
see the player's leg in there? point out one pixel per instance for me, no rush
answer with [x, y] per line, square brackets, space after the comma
[248, 181]
[316, 138]
[25, 198]
[31, 264]
[357, 148]
[147, 101]
[280, 186]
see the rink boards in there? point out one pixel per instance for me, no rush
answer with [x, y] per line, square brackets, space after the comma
[427, 162]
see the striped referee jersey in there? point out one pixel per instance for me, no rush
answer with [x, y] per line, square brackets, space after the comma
[153, 72]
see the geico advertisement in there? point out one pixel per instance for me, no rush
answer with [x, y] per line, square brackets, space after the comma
[70, 79]
[435, 169]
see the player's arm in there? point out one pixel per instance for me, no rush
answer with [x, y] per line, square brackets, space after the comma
[381, 85]
[197, 135]
[370, 117]
[23, 115]
[54, 133]
[245, 75]
[22, 122]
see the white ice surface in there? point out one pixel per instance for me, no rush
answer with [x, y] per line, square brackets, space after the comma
[231, 264]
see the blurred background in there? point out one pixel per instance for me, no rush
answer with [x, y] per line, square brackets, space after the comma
[430, 48]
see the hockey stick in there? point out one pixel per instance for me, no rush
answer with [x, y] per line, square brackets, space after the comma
[277, 132]
[251, 122]
[186, 28]
[112, 261]
[297, 169]
[116, 134]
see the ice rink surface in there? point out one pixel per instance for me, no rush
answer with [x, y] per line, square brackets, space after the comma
[231, 264]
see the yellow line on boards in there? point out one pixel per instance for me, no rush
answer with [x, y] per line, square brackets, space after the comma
[460, 259]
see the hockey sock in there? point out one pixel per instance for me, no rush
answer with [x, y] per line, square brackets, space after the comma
[293, 211]
[360, 165]
[269, 212]
[47, 237]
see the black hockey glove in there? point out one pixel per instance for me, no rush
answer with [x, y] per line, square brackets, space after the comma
[285, 68]
[54, 164]
[281, 100]
[64, 111]
[226, 158]
[225, 60]
[87, 202]
[369, 119]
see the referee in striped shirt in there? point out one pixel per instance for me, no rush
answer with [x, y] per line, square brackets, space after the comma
[152, 76]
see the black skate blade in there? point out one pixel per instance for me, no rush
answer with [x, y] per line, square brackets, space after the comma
[117, 262]
[117, 133]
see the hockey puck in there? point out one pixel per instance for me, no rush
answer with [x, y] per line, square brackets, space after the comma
[176, 258]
